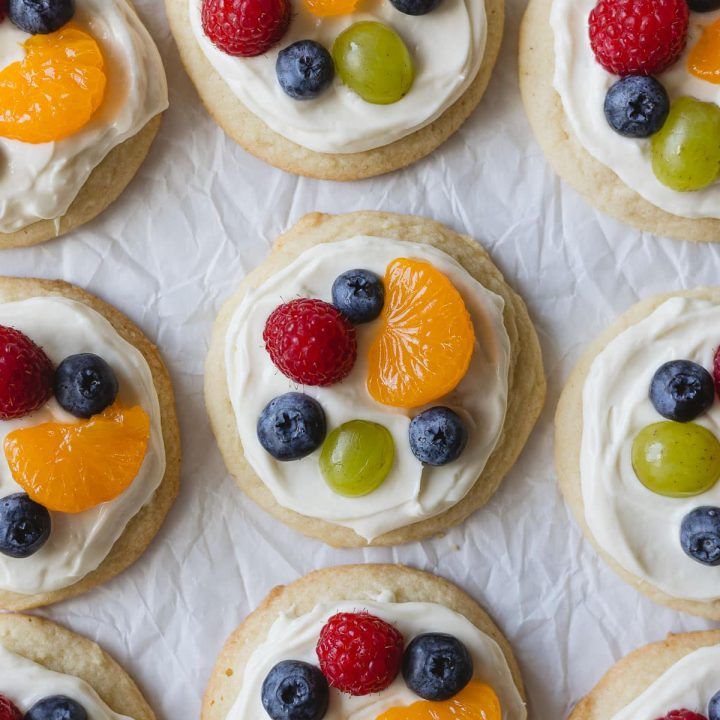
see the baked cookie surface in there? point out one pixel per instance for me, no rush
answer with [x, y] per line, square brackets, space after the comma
[335, 585]
[145, 524]
[526, 383]
[599, 185]
[250, 132]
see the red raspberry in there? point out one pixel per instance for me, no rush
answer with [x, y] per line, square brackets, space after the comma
[683, 715]
[359, 653]
[638, 37]
[3, 15]
[26, 375]
[8, 711]
[311, 342]
[245, 27]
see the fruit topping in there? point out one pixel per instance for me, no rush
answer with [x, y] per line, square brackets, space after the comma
[437, 666]
[245, 28]
[295, 690]
[682, 390]
[374, 62]
[85, 385]
[477, 701]
[327, 8]
[311, 342]
[72, 468]
[676, 459]
[700, 535]
[686, 153]
[54, 91]
[8, 709]
[704, 5]
[359, 653]
[415, 7]
[426, 341]
[704, 59]
[304, 69]
[357, 457]
[638, 37]
[291, 426]
[683, 715]
[3, 15]
[40, 16]
[359, 295]
[26, 375]
[24, 527]
[437, 436]
[57, 707]
[716, 370]
[637, 106]
[714, 707]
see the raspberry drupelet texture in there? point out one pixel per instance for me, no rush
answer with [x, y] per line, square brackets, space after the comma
[8, 711]
[683, 715]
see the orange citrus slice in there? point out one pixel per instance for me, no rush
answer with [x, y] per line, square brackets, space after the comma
[54, 90]
[74, 467]
[477, 701]
[326, 8]
[704, 58]
[426, 339]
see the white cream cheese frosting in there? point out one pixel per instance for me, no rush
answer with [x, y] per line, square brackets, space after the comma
[79, 542]
[411, 492]
[25, 683]
[40, 181]
[689, 684]
[635, 526]
[582, 84]
[295, 638]
[447, 47]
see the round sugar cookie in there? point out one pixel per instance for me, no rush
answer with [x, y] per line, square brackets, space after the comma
[105, 184]
[526, 390]
[632, 675]
[568, 441]
[62, 651]
[345, 582]
[145, 525]
[599, 185]
[251, 133]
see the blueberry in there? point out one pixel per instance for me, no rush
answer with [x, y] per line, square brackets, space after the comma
[85, 385]
[295, 691]
[437, 436]
[56, 707]
[437, 666]
[636, 106]
[291, 426]
[304, 69]
[359, 295]
[415, 7]
[700, 535]
[714, 707]
[40, 17]
[24, 526]
[704, 6]
[682, 390]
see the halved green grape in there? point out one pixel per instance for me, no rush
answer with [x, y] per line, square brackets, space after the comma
[686, 151]
[356, 458]
[676, 459]
[373, 61]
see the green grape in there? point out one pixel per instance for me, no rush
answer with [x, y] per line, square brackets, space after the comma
[686, 151]
[676, 459]
[356, 458]
[373, 61]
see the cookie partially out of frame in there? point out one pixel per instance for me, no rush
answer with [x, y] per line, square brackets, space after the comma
[62, 651]
[568, 443]
[144, 526]
[249, 131]
[337, 584]
[105, 184]
[632, 675]
[526, 383]
[597, 183]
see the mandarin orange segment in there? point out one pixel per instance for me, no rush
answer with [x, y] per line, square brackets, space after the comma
[704, 58]
[74, 467]
[327, 8]
[55, 90]
[478, 701]
[426, 339]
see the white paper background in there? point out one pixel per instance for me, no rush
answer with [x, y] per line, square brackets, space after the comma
[200, 214]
